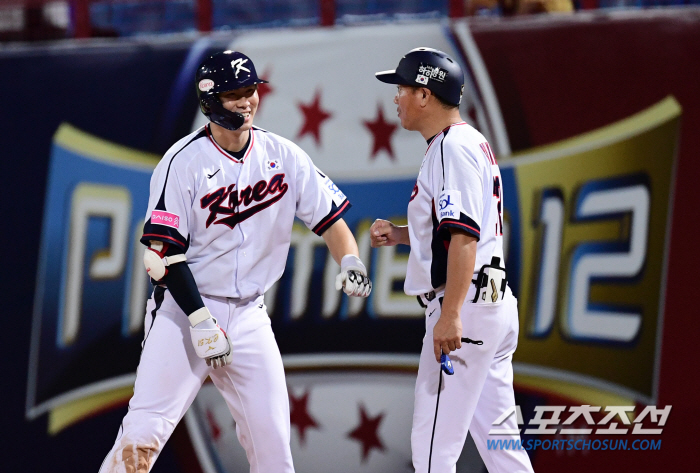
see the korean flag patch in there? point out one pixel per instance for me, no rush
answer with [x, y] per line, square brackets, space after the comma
[274, 165]
[421, 79]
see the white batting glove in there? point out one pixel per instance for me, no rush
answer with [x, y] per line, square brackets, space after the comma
[353, 279]
[209, 340]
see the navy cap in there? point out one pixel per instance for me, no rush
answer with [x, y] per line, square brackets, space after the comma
[429, 68]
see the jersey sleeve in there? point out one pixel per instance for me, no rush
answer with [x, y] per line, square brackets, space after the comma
[169, 206]
[458, 186]
[319, 201]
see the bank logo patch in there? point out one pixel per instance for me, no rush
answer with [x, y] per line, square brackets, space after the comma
[335, 192]
[450, 205]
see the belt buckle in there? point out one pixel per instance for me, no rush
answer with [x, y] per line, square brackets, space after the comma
[429, 296]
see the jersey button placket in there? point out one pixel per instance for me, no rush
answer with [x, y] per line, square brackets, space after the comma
[244, 170]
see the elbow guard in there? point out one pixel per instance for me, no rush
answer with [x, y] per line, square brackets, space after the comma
[156, 262]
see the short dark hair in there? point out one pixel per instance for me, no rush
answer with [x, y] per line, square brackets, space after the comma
[445, 104]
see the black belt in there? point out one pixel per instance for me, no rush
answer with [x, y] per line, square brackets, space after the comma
[429, 296]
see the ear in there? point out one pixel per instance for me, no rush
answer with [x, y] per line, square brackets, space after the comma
[424, 95]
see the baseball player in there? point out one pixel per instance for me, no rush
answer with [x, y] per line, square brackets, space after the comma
[455, 268]
[218, 229]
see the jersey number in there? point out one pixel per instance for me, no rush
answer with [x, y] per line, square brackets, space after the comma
[499, 205]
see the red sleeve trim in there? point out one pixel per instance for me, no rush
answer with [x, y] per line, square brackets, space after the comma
[161, 237]
[330, 220]
[460, 224]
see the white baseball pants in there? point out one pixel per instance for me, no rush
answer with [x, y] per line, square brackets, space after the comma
[479, 391]
[170, 374]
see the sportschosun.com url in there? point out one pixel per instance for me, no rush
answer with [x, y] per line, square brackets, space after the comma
[617, 444]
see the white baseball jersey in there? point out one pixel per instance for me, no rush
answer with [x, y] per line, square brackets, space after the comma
[458, 186]
[232, 214]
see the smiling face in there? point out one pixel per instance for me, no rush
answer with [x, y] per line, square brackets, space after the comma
[244, 101]
[408, 99]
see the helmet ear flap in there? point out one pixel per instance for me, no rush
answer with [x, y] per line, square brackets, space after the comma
[204, 104]
[213, 109]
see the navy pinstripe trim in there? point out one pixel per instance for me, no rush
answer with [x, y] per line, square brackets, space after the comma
[158, 297]
[164, 234]
[464, 223]
[161, 232]
[442, 155]
[438, 246]
[432, 436]
[161, 201]
[333, 216]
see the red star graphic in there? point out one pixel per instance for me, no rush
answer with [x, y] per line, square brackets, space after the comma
[381, 131]
[299, 415]
[314, 116]
[215, 430]
[264, 89]
[366, 433]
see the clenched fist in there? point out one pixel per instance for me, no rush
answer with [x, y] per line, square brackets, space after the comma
[385, 233]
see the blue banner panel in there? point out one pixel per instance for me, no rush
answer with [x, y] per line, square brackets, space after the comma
[90, 272]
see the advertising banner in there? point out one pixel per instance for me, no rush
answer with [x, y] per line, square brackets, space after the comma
[593, 248]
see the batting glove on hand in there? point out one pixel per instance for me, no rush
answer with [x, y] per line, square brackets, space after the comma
[209, 340]
[353, 277]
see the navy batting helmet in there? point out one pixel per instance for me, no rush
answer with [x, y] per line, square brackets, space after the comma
[228, 70]
[429, 68]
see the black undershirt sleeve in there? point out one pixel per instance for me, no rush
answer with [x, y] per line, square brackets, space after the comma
[181, 284]
[183, 288]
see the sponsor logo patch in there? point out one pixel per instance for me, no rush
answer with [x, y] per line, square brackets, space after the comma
[450, 205]
[205, 85]
[335, 193]
[431, 72]
[165, 218]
